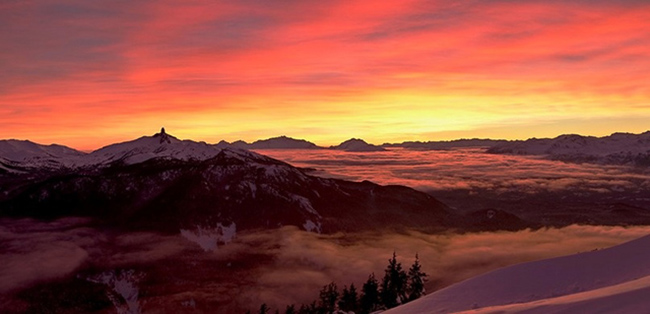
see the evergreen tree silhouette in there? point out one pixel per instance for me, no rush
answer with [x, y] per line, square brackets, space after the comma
[416, 278]
[291, 309]
[264, 309]
[369, 300]
[394, 284]
[349, 299]
[328, 297]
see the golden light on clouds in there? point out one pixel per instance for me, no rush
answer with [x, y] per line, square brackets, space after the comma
[85, 75]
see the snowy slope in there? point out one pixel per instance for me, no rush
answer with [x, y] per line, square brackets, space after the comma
[16, 154]
[32, 155]
[160, 145]
[573, 284]
[628, 297]
[618, 148]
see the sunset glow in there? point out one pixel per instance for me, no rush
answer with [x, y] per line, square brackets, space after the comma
[88, 73]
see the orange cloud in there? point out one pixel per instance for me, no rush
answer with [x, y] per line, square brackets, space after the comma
[384, 71]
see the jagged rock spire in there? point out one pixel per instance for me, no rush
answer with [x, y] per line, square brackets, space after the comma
[164, 138]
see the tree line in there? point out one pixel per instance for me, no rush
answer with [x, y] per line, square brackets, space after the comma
[396, 287]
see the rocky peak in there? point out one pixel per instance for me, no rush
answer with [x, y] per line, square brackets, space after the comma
[164, 137]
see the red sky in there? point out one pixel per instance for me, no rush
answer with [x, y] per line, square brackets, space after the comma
[87, 73]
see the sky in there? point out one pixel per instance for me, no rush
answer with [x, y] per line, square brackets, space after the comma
[89, 73]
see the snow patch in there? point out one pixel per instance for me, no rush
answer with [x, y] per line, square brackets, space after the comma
[251, 186]
[189, 303]
[6, 169]
[312, 226]
[305, 204]
[124, 286]
[210, 238]
[275, 171]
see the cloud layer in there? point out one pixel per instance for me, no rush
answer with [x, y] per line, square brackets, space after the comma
[305, 262]
[276, 267]
[468, 169]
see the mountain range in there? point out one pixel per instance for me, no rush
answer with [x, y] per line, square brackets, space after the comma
[164, 184]
[280, 142]
[618, 148]
[284, 142]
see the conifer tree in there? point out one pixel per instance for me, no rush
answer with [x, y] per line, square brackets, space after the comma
[394, 284]
[328, 297]
[304, 309]
[349, 299]
[314, 309]
[369, 300]
[416, 278]
[264, 309]
[291, 309]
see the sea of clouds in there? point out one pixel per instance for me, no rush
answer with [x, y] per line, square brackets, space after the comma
[466, 169]
[277, 267]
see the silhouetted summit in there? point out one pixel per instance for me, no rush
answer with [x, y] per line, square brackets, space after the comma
[358, 145]
[164, 137]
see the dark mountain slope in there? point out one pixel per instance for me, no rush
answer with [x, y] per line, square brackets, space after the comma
[251, 190]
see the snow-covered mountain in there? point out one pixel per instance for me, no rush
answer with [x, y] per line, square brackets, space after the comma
[165, 184]
[358, 145]
[613, 280]
[234, 187]
[618, 148]
[16, 154]
[162, 183]
[160, 145]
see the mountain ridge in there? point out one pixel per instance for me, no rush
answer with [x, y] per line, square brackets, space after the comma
[165, 184]
[617, 148]
[284, 141]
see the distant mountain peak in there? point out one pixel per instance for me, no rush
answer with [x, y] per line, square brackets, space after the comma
[352, 140]
[279, 142]
[358, 145]
[618, 148]
[282, 142]
[28, 154]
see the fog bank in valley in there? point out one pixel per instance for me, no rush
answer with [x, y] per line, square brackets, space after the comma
[467, 169]
[276, 267]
